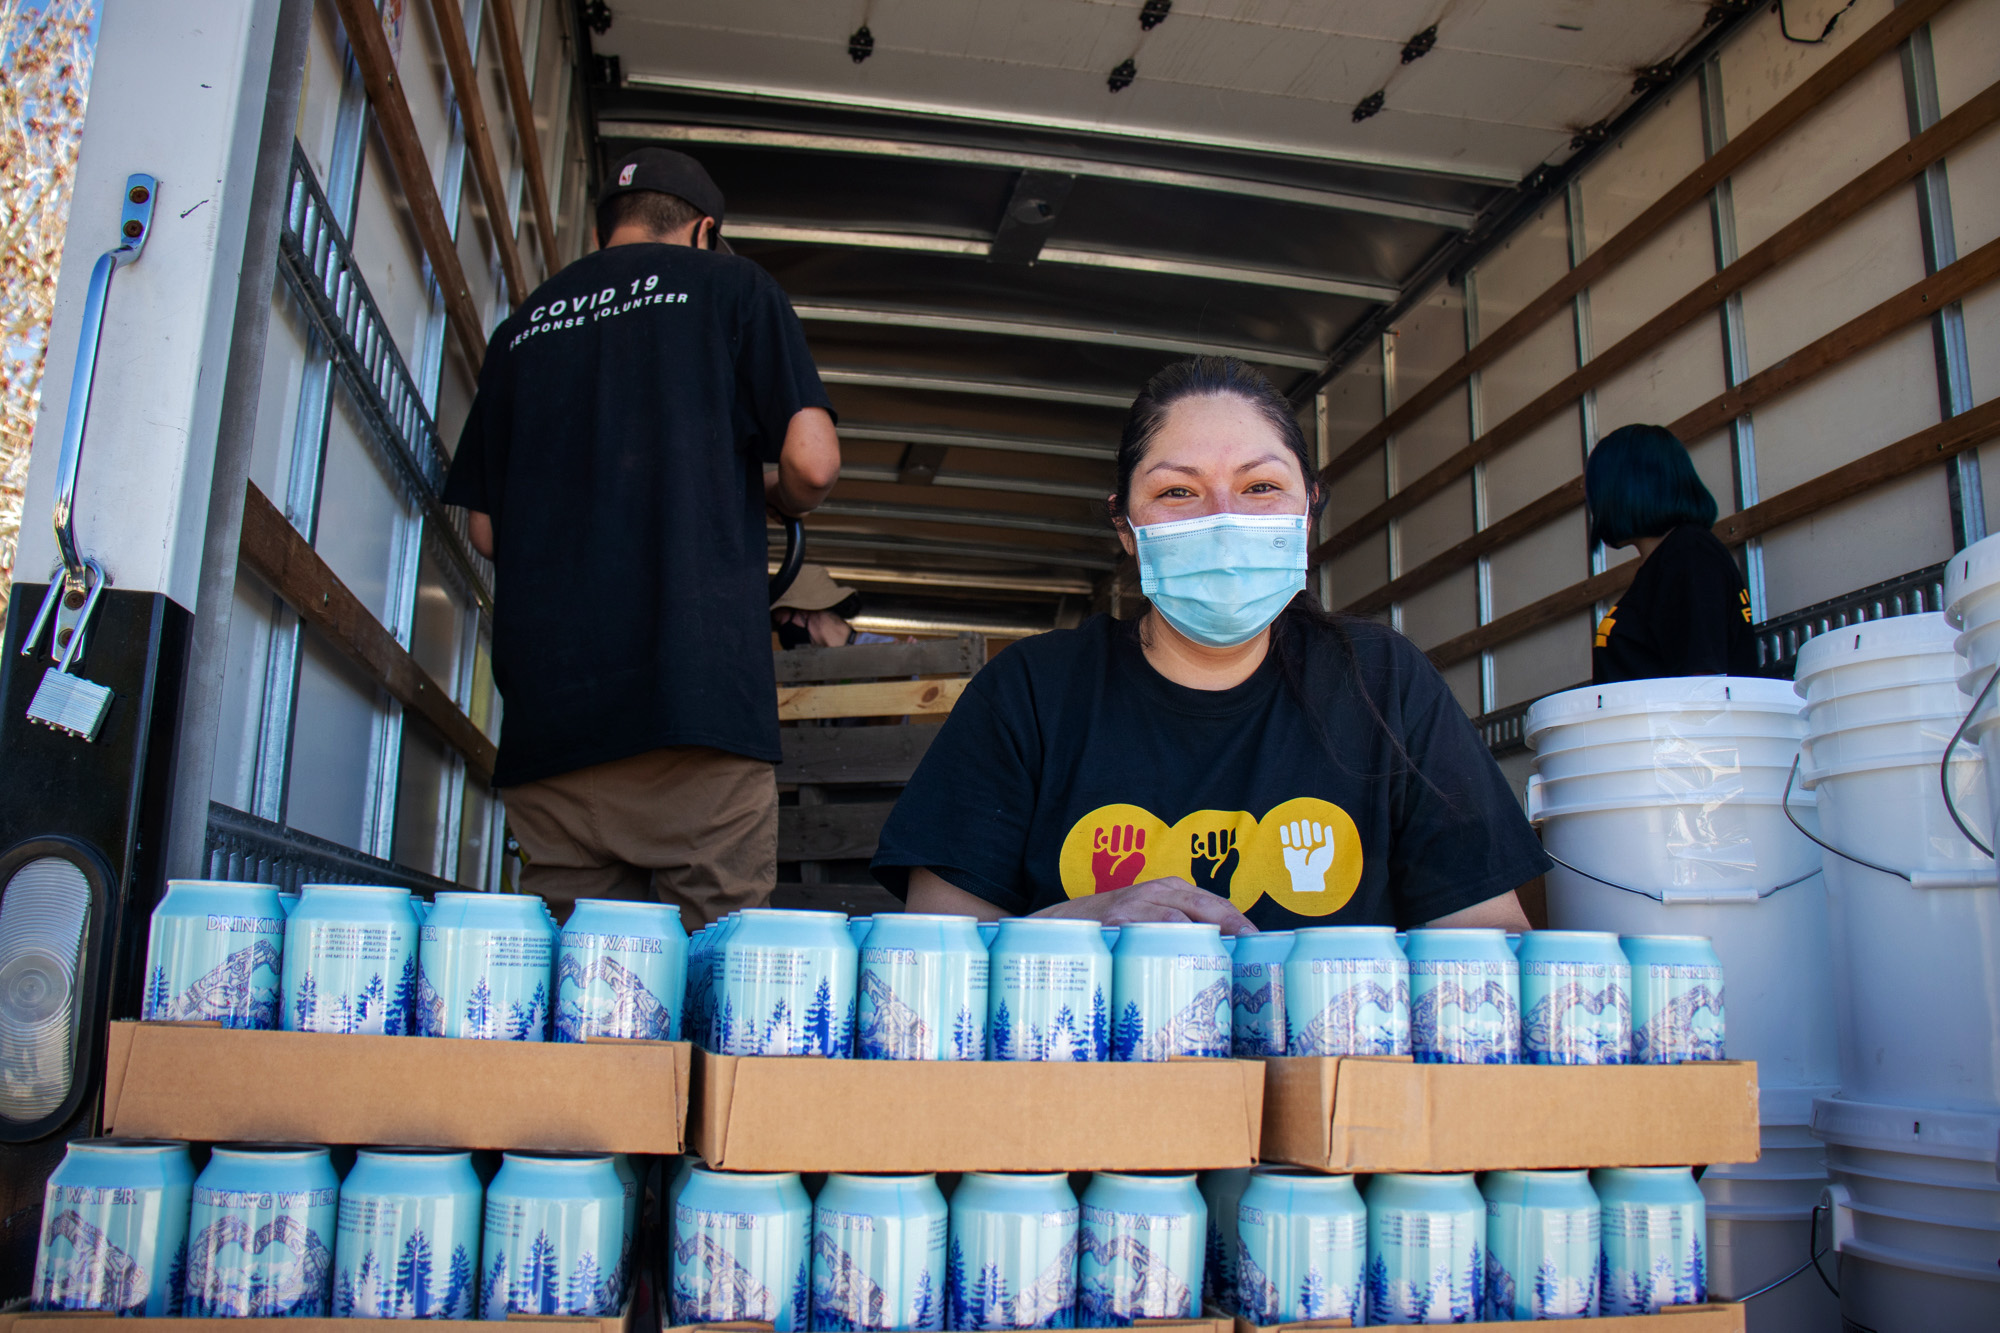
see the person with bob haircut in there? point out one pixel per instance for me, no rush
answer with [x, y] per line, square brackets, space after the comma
[1687, 612]
[1234, 755]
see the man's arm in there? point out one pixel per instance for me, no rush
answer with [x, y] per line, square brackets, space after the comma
[808, 465]
[479, 527]
[1500, 912]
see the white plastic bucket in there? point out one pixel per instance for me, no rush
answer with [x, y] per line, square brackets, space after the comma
[1745, 1254]
[1735, 850]
[1937, 692]
[1891, 811]
[1914, 735]
[1677, 782]
[1972, 603]
[1784, 1182]
[1680, 708]
[1874, 655]
[1694, 758]
[1915, 1213]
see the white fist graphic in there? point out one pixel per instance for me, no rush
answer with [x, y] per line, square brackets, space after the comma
[1308, 853]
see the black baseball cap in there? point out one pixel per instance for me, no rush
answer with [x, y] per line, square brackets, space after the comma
[668, 172]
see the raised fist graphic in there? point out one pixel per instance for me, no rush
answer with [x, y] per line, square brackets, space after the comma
[1213, 857]
[1118, 855]
[1308, 852]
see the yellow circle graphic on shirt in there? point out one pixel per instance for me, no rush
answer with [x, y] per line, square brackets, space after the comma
[1206, 849]
[1114, 847]
[1306, 855]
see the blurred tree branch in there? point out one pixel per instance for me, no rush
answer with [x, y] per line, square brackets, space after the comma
[45, 52]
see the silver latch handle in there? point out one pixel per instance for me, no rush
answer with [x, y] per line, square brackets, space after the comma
[135, 224]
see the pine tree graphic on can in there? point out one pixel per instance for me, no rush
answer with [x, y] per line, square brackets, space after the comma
[621, 971]
[785, 985]
[1542, 1244]
[923, 986]
[351, 961]
[1303, 1241]
[1170, 992]
[1257, 993]
[878, 1253]
[215, 953]
[407, 1239]
[555, 1225]
[1426, 1249]
[741, 1249]
[1677, 999]
[1048, 991]
[114, 1228]
[1347, 992]
[1654, 1223]
[1143, 1249]
[1013, 1257]
[258, 1231]
[1576, 1007]
[484, 967]
[1465, 998]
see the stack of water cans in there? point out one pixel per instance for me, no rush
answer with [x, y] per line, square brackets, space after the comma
[271, 1231]
[377, 960]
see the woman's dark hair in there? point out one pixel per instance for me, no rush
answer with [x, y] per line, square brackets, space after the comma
[1640, 482]
[1303, 618]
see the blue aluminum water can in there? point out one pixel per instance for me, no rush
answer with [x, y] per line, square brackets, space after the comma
[215, 952]
[786, 985]
[741, 1249]
[628, 1181]
[1048, 991]
[1221, 1191]
[1677, 1004]
[351, 961]
[554, 1226]
[1542, 1242]
[1347, 992]
[1304, 1240]
[1465, 998]
[694, 1005]
[1654, 1228]
[1013, 1255]
[1257, 993]
[1576, 998]
[1170, 991]
[1144, 1242]
[857, 929]
[485, 967]
[621, 971]
[261, 1232]
[922, 993]
[878, 1253]
[677, 1179]
[288, 899]
[114, 1228]
[711, 987]
[407, 1244]
[1426, 1248]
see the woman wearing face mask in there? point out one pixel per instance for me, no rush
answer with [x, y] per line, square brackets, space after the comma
[1235, 755]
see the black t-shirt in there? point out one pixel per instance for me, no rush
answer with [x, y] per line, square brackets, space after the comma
[1687, 613]
[618, 438]
[1071, 766]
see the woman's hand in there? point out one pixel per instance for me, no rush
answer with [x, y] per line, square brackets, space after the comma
[1156, 900]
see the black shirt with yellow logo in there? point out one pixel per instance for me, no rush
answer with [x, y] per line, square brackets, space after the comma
[1070, 766]
[1687, 613]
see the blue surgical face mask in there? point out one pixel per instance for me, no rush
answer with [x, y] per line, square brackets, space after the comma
[1221, 578]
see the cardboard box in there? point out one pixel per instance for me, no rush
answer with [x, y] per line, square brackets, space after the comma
[1714, 1318]
[190, 1081]
[812, 1114]
[1390, 1114]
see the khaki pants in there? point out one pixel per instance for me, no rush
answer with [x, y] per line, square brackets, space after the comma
[693, 827]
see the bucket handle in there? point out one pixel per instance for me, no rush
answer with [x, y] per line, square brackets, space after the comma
[1921, 879]
[1944, 764]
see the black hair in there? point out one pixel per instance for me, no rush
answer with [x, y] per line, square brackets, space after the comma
[1640, 482]
[1303, 618]
[658, 212]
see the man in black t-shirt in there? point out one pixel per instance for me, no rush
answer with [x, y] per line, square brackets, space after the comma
[614, 463]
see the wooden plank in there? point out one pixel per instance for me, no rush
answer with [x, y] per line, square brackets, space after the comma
[888, 698]
[485, 167]
[413, 172]
[850, 756]
[529, 137]
[1918, 301]
[831, 832]
[961, 656]
[276, 552]
[1891, 172]
[1934, 444]
[1883, 38]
